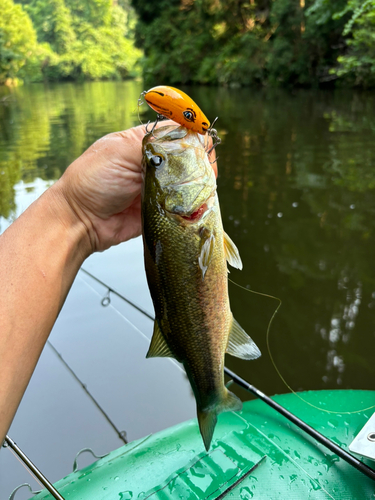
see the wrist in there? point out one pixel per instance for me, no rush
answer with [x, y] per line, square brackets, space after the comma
[76, 227]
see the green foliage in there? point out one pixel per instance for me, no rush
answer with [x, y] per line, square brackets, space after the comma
[53, 22]
[89, 37]
[358, 64]
[243, 60]
[67, 39]
[264, 42]
[174, 51]
[18, 44]
[226, 42]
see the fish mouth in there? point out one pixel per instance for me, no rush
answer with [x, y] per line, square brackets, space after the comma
[191, 218]
[197, 215]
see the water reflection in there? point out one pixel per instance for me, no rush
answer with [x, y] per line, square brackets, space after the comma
[296, 187]
[297, 194]
[43, 129]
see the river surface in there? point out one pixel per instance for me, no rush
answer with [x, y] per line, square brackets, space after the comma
[297, 192]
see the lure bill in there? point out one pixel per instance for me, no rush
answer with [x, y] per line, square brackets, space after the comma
[186, 254]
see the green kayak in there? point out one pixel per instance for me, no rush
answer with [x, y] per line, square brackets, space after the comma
[256, 453]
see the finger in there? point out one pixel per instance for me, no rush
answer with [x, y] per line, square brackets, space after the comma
[150, 125]
[136, 135]
[212, 156]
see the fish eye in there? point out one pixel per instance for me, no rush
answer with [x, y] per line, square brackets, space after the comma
[188, 116]
[156, 160]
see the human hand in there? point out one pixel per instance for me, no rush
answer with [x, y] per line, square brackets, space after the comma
[103, 187]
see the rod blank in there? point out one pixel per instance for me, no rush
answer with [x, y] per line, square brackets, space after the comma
[32, 468]
[350, 459]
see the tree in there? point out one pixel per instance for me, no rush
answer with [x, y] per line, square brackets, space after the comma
[18, 42]
[87, 39]
[358, 64]
[257, 42]
[53, 23]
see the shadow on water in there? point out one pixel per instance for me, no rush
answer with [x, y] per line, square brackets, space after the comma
[296, 186]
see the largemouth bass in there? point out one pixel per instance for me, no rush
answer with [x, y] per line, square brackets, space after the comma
[186, 253]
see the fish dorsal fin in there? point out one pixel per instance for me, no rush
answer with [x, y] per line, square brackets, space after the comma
[207, 250]
[158, 347]
[240, 344]
[231, 253]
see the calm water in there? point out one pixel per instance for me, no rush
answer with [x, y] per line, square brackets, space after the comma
[297, 192]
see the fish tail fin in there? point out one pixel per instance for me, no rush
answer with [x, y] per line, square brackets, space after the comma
[207, 421]
[207, 418]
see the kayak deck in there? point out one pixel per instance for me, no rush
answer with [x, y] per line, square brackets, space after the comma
[255, 453]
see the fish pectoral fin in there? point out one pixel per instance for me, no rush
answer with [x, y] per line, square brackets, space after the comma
[231, 253]
[158, 347]
[207, 250]
[240, 344]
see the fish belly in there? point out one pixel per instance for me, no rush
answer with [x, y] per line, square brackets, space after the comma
[193, 312]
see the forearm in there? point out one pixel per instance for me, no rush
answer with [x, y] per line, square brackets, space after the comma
[40, 255]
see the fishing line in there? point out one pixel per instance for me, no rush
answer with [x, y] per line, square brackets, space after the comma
[350, 459]
[120, 434]
[274, 363]
[132, 324]
[140, 102]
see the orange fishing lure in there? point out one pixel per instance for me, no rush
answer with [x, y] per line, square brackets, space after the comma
[178, 106]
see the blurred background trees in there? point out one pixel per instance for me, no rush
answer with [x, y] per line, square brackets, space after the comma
[306, 43]
[67, 40]
[247, 42]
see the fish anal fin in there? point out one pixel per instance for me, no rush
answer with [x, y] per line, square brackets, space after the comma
[240, 344]
[207, 250]
[230, 403]
[158, 347]
[231, 253]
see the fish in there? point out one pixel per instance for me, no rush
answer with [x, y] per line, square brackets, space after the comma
[186, 252]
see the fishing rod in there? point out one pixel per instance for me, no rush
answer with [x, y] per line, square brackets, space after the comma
[110, 289]
[350, 459]
[32, 468]
[121, 434]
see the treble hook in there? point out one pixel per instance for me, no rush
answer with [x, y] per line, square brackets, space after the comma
[141, 95]
[159, 118]
[211, 126]
[212, 132]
